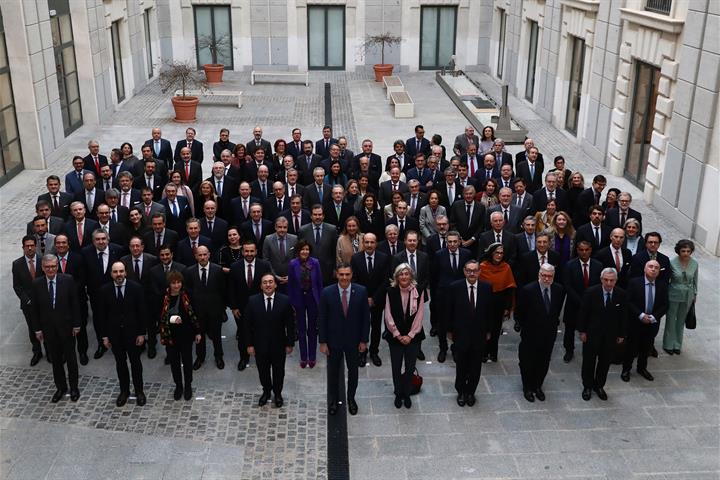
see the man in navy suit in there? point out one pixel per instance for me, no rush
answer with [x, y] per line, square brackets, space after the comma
[322, 146]
[270, 334]
[417, 144]
[213, 227]
[59, 201]
[468, 327]
[343, 327]
[256, 228]
[190, 170]
[122, 325]
[79, 228]
[188, 246]
[616, 217]
[616, 256]
[296, 215]
[538, 313]
[647, 304]
[71, 263]
[94, 161]
[162, 150]
[24, 271]
[73, 179]
[531, 170]
[240, 205]
[90, 196]
[258, 143]
[195, 146]
[501, 157]
[551, 191]
[587, 198]
[176, 208]
[419, 172]
[595, 231]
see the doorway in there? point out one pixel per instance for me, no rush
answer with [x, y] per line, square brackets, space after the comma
[326, 37]
[437, 36]
[117, 61]
[645, 94]
[575, 89]
[67, 76]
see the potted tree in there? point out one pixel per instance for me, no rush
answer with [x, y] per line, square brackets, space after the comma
[214, 71]
[182, 76]
[374, 42]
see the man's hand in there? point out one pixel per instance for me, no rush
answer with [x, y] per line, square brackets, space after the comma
[75, 331]
[140, 340]
[647, 318]
[282, 280]
[450, 336]
[39, 335]
[467, 243]
[371, 302]
[198, 338]
[362, 347]
[106, 343]
[488, 335]
[583, 337]
[324, 349]
[620, 340]
[236, 312]
[251, 351]
[288, 350]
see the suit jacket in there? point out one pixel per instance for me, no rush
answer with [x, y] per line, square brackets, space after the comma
[444, 200]
[331, 216]
[122, 321]
[534, 183]
[295, 278]
[443, 275]
[384, 247]
[159, 280]
[90, 164]
[157, 185]
[166, 153]
[528, 266]
[540, 199]
[461, 143]
[306, 166]
[411, 149]
[184, 249]
[603, 324]
[177, 223]
[269, 331]
[270, 207]
[155, 207]
[637, 266]
[293, 149]
[320, 147]
[637, 304]
[89, 226]
[411, 223]
[208, 299]
[219, 146]
[375, 282]
[585, 200]
[386, 191]
[325, 251]
[342, 331]
[97, 200]
[467, 325]
[73, 184]
[230, 187]
[64, 202]
[422, 267]
[247, 232]
[250, 148]
[196, 151]
[95, 276]
[612, 217]
[271, 253]
[468, 228]
[218, 236]
[536, 322]
[239, 291]
[56, 226]
[504, 158]
[237, 216]
[304, 220]
[119, 234]
[311, 195]
[170, 238]
[375, 163]
[55, 322]
[522, 243]
[422, 177]
[22, 281]
[148, 262]
[526, 206]
[420, 202]
[587, 232]
[195, 178]
[515, 217]
[607, 258]
[250, 172]
[509, 242]
[573, 281]
[522, 157]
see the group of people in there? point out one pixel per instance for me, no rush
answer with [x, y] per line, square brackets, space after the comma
[305, 241]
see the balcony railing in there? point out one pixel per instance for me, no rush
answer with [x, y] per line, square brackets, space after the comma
[658, 6]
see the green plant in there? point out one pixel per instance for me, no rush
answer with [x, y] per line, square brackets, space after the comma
[373, 42]
[176, 75]
[214, 44]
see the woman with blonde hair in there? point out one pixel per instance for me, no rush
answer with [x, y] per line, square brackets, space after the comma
[349, 241]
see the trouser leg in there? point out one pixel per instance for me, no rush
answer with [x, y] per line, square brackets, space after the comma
[278, 372]
[474, 370]
[352, 361]
[603, 364]
[410, 353]
[121, 367]
[396, 359]
[588, 364]
[36, 347]
[312, 314]
[187, 361]
[375, 329]
[173, 353]
[136, 368]
[334, 362]
[525, 362]
[262, 361]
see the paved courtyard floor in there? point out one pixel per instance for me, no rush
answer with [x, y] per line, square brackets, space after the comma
[666, 429]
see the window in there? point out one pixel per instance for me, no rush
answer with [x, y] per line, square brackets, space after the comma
[213, 34]
[117, 61]
[501, 45]
[326, 37]
[67, 76]
[148, 43]
[437, 36]
[10, 152]
[645, 92]
[660, 6]
[575, 87]
[532, 59]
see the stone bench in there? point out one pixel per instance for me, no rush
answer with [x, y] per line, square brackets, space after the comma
[302, 75]
[214, 93]
[393, 84]
[404, 106]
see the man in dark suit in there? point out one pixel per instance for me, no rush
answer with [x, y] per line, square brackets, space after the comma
[24, 271]
[404, 162]
[467, 326]
[616, 217]
[587, 198]
[93, 160]
[652, 244]
[71, 263]
[129, 196]
[160, 235]
[417, 144]
[149, 165]
[91, 196]
[581, 273]
[117, 232]
[521, 198]
[258, 143]
[362, 169]
[343, 329]
[256, 228]
[595, 232]
[59, 201]
[403, 221]
[447, 267]
[307, 162]
[525, 240]
[501, 156]
[524, 155]
[551, 191]
[317, 191]
[56, 322]
[277, 202]
[420, 172]
[462, 141]
[322, 146]
[122, 326]
[322, 238]
[206, 285]
[437, 241]
[159, 285]
[450, 189]
[226, 187]
[195, 146]
[531, 170]
[506, 177]
[538, 313]
[295, 145]
[602, 324]
[243, 282]
[213, 227]
[251, 170]
[387, 188]
[512, 214]
[150, 179]
[375, 162]
[187, 247]
[138, 268]
[415, 198]
[647, 304]
[489, 169]
[162, 149]
[79, 228]
[73, 179]
[371, 269]
[148, 206]
[177, 209]
[106, 180]
[223, 143]
[468, 217]
[498, 233]
[336, 209]
[292, 185]
[270, 334]
[528, 264]
[296, 215]
[55, 225]
[616, 256]
[190, 170]
[240, 205]
[392, 244]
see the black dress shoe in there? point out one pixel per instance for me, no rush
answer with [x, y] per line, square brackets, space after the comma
[376, 360]
[470, 400]
[529, 396]
[264, 399]
[407, 402]
[586, 394]
[122, 399]
[646, 375]
[332, 409]
[540, 395]
[74, 394]
[83, 358]
[516, 327]
[352, 406]
[177, 394]
[625, 376]
[58, 395]
[197, 364]
[676, 351]
[493, 358]
[441, 356]
[421, 356]
[35, 359]
[362, 359]
[433, 332]
[167, 360]
[152, 351]
[568, 357]
[279, 401]
[669, 352]
[140, 399]
[601, 393]
[100, 352]
[461, 400]
[398, 401]
[242, 364]
[452, 352]
[485, 358]
[220, 363]
[187, 393]
[653, 352]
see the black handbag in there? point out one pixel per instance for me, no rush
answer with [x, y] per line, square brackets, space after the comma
[690, 319]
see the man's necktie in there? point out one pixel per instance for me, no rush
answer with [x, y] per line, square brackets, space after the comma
[157, 148]
[497, 237]
[413, 203]
[80, 232]
[506, 217]
[320, 192]
[174, 209]
[488, 174]
[166, 268]
[392, 249]
[622, 219]
[218, 188]
[586, 276]
[263, 190]
[56, 204]
[292, 190]
[51, 292]
[158, 241]
[245, 208]
[296, 221]
[650, 303]
[532, 171]
[546, 299]
[125, 200]
[454, 260]
[472, 297]
[149, 182]
[442, 242]
[42, 244]
[187, 171]
[370, 265]
[468, 208]
[542, 259]
[31, 267]
[269, 305]
[257, 231]
[417, 148]
[63, 264]
[100, 261]
[618, 263]
[451, 194]
[137, 268]
[394, 187]
[89, 200]
[119, 293]
[597, 236]
[317, 236]
[551, 196]
[280, 209]
[210, 226]
[194, 246]
[249, 277]
[518, 201]
[402, 228]
[281, 245]
[412, 262]
[97, 165]
[607, 298]
[337, 211]
[114, 215]
[203, 276]
[107, 184]
[597, 198]
[344, 302]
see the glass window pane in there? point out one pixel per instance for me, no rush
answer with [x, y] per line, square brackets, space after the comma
[75, 113]
[316, 36]
[446, 48]
[8, 132]
[73, 89]
[65, 28]
[3, 52]
[55, 30]
[2, 164]
[335, 32]
[428, 42]
[68, 54]
[5, 90]
[203, 29]
[12, 156]
[223, 35]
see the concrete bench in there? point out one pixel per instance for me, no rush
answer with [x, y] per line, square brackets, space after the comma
[291, 75]
[404, 106]
[214, 93]
[393, 84]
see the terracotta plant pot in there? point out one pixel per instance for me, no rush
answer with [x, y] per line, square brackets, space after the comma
[185, 108]
[214, 72]
[382, 70]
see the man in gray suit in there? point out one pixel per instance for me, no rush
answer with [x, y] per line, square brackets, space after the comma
[463, 140]
[44, 240]
[148, 206]
[512, 214]
[323, 239]
[279, 249]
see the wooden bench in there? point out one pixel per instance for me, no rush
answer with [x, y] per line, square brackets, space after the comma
[214, 93]
[302, 75]
[404, 106]
[393, 84]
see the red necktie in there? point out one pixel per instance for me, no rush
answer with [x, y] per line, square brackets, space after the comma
[31, 267]
[63, 264]
[147, 210]
[249, 277]
[618, 264]
[97, 165]
[80, 233]
[187, 171]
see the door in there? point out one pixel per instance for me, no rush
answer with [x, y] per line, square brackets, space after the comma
[148, 43]
[10, 152]
[501, 45]
[67, 77]
[326, 37]
[213, 32]
[641, 122]
[117, 61]
[437, 36]
[532, 61]
[575, 88]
